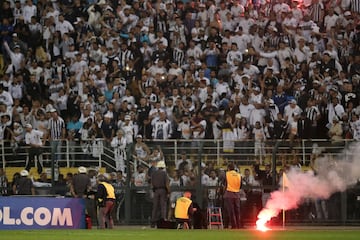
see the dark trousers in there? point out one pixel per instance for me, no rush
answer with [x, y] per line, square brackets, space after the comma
[33, 151]
[139, 207]
[233, 208]
[253, 205]
[159, 203]
[105, 215]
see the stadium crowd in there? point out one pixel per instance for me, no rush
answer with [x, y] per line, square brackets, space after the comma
[128, 71]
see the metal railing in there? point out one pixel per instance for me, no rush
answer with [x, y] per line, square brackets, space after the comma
[71, 152]
[134, 206]
[242, 152]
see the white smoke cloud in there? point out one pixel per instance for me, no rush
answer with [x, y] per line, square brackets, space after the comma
[332, 175]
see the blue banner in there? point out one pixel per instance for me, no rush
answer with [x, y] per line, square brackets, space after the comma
[41, 213]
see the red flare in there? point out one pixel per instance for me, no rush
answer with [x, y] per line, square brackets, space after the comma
[264, 216]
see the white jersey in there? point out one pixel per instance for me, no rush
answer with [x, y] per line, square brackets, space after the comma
[128, 132]
[212, 182]
[140, 151]
[355, 128]
[162, 129]
[34, 137]
[245, 110]
[118, 143]
[289, 112]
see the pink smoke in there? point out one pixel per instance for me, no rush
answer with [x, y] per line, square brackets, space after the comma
[333, 175]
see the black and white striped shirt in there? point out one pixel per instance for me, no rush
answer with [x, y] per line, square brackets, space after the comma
[316, 12]
[312, 113]
[355, 6]
[55, 128]
[162, 26]
[125, 56]
[179, 56]
[273, 41]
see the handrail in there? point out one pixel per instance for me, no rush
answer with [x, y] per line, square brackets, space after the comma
[212, 151]
[3, 155]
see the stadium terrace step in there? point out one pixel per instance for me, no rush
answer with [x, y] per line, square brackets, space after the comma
[10, 171]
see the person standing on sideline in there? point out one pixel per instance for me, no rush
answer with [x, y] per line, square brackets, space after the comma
[80, 183]
[105, 199]
[184, 210]
[56, 133]
[33, 139]
[160, 185]
[232, 195]
[266, 179]
[24, 185]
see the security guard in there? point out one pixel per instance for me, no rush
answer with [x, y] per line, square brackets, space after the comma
[160, 185]
[80, 184]
[24, 185]
[232, 196]
[105, 199]
[184, 210]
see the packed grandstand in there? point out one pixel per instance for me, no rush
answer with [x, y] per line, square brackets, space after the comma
[137, 74]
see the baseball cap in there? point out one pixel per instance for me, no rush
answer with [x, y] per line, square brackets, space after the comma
[24, 173]
[347, 13]
[293, 101]
[271, 102]
[256, 89]
[273, 29]
[82, 170]
[161, 164]
[326, 53]
[108, 115]
[334, 88]
[301, 39]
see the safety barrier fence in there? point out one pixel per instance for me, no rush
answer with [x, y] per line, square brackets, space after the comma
[134, 204]
[99, 153]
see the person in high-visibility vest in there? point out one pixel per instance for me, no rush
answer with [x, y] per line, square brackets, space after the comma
[232, 196]
[105, 198]
[184, 210]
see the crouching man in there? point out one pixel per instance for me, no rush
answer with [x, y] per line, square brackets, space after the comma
[184, 210]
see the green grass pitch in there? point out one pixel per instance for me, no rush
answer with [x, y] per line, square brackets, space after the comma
[159, 234]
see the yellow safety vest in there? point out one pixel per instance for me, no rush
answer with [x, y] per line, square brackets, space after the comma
[182, 208]
[233, 180]
[109, 190]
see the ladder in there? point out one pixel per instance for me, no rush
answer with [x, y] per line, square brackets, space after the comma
[215, 217]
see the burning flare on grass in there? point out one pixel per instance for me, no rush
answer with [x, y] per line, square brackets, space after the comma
[332, 175]
[264, 216]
